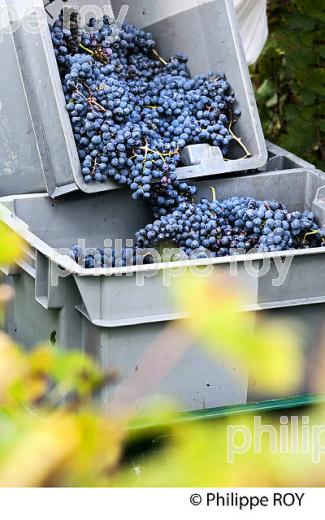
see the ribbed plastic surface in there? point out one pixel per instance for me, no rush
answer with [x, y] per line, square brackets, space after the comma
[109, 314]
[109, 300]
[42, 143]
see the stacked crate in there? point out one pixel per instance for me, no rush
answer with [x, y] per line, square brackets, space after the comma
[106, 312]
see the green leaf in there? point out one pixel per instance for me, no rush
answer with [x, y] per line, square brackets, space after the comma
[316, 81]
[298, 20]
[273, 101]
[313, 8]
[292, 112]
[266, 90]
[307, 97]
[322, 125]
[290, 67]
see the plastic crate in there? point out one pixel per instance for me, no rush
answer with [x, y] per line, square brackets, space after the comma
[196, 381]
[280, 159]
[108, 313]
[40, 153]
[53, 224]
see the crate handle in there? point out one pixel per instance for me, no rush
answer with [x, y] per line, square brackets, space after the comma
[317, 197]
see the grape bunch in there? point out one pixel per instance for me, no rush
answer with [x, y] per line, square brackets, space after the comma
[110, 258]
[232, 226]
[132, 112]
[206, 229]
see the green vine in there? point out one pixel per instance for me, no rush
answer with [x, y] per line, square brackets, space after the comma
[289, 78]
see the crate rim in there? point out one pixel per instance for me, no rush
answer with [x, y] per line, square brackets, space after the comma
[7, 215]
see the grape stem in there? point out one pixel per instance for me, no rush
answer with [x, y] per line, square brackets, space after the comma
[215, 79]
[315, 232]
[164, 62]
[86, 49]
[214, 194]
[238, 139]
[94, 167]
[90, 99]
[100, 55]
[146, 150]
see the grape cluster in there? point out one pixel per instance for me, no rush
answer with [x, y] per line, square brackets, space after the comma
[233, 226]
[132, 112]
[208, 229]
[109, 258]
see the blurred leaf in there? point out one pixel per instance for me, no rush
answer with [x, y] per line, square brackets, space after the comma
[316, 81]
[40, 446]
[224, 453]
[10, 245]
[62, 448]
[314, 8]
[270, 351]
[55, 375]
[44, 447]
[272, 102]
[292, 112]
[299, 21]
[307, 97]
[76, 371]
[12, 365]
[6, 294]
[266, 90]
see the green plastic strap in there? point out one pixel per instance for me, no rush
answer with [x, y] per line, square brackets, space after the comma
[211, 414]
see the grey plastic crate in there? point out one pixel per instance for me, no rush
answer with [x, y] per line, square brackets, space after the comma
[206, 30]
[196, 381]
[107, 312]
[111, 297]
[280, 159]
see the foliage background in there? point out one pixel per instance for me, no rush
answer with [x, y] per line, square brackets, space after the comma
[289, 78]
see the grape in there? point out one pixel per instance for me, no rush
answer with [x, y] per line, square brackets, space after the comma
[133, 112]
[110, 258]
[224, 227]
